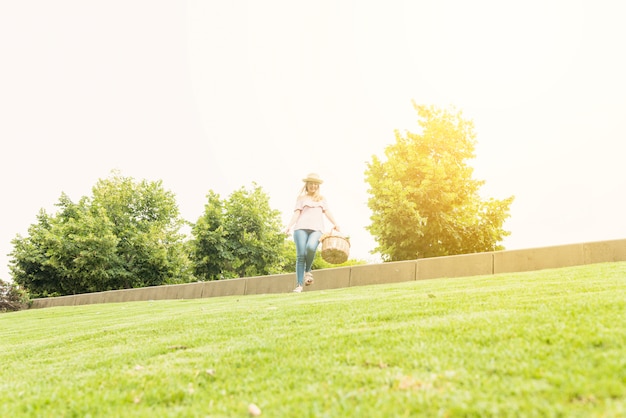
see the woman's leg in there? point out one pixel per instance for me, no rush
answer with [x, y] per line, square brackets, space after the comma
[300, 237]
[313, 240]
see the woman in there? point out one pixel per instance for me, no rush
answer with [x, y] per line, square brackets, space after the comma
[307, 223]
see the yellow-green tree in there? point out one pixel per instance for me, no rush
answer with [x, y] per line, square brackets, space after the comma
[423, 198]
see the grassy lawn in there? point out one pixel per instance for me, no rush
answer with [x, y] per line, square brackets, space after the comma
[541, 344]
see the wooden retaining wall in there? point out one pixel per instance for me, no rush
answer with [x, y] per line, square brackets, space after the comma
[422, 269]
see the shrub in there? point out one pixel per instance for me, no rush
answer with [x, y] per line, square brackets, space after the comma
[12, 297]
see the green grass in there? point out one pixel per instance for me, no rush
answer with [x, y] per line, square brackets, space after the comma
[541, 344]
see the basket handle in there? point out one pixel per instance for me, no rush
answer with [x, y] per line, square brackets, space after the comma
[328, 234]
[334, 232]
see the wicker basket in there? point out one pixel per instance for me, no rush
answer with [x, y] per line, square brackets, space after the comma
[335, 248]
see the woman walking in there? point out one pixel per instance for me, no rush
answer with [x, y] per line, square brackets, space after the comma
[307, 224]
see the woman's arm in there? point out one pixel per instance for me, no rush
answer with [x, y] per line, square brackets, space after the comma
[331, 218]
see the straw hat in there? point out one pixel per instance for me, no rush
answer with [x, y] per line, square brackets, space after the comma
[313, 178]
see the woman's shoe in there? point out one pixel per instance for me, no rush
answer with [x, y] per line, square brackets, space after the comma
[308, 278]
[297, 289]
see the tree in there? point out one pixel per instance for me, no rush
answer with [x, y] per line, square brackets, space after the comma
[147, 223]
[423, 198]
[124, 236]
[237, 237]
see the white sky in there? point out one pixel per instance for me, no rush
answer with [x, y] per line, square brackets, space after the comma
[219, 94]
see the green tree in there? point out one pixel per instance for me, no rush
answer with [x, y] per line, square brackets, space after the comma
[147, 223]
[237, 237]
[423, 198]
[125, 235]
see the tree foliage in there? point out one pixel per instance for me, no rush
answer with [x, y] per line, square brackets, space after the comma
[237, 237]
[423, 198]
[126, 235]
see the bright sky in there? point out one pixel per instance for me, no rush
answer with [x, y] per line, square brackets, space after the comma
[219, 94]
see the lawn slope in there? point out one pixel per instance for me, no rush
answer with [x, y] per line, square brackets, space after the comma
[538, 344]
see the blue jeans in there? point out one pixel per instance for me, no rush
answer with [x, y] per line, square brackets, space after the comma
[306, 241]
